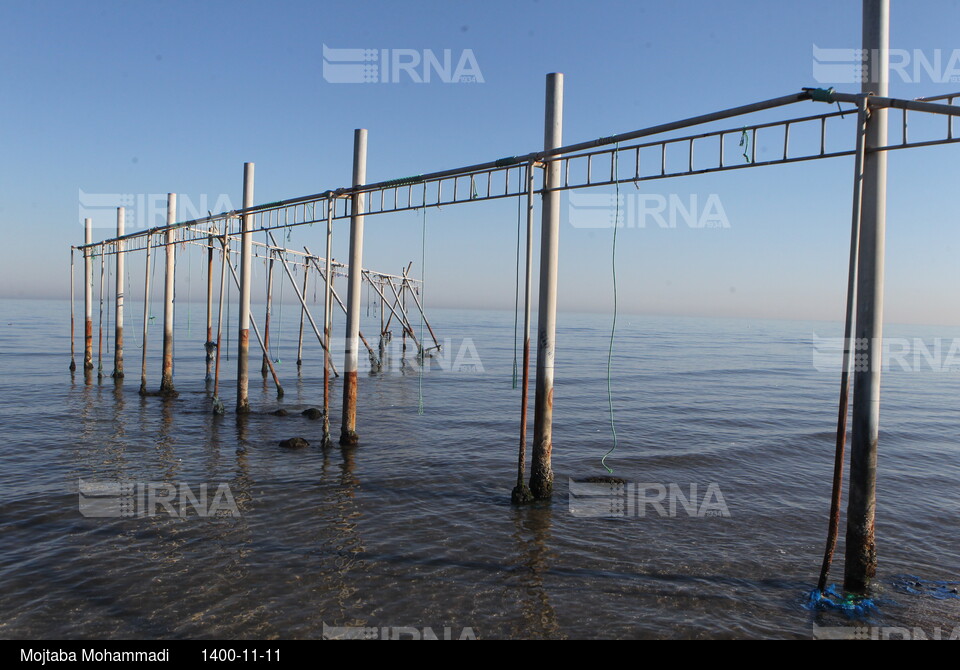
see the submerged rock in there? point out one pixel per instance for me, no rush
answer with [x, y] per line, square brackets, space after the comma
[280, 412]
[294, 443]
[312, 413]
[601, 480]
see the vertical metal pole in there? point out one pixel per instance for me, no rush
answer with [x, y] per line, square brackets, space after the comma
[218, 407]
[264, 366]
[103, 263]
[303, 310]
[88, 297]
[541, 471]
[348, 428]
[73, 353]
[146, 318]
[521, 494]
[834, 526]
[209, 346]
[861, 555]
[166, 378]
[246, 272]
[328, 323]
[118, 312]
[403, 310]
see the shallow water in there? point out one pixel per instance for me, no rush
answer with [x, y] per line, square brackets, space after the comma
[414, 527]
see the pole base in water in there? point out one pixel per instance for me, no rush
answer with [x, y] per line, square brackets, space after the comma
[349, 438]
[521, 495]
[541, 485]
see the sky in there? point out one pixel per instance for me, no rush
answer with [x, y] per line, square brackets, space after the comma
[144, 98]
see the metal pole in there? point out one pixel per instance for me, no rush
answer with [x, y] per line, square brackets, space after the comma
[256, 331]
[218, 407]
[327, 323]
[88, 297]
[303, 303]
[541, 471]
[348, 428]
[521, 493]
[103, 262]
[303, 309]
[402, 297]
[210, 346]
[73, 359]
[861, 556]
[118, 312]
[264, 367]
[246, 269]
[834, 526]
[146, 318]
[166, 378]
[343, 308]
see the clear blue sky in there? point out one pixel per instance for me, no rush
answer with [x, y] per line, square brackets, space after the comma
[150, 97]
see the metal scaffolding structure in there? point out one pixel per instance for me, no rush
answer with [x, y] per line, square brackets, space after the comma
[857, 128]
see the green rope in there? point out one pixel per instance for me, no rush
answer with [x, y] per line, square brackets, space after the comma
[516, 287]
[745, 143]
[613, 327]
[423, 253]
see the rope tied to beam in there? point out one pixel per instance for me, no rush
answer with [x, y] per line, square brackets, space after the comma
[613, 326]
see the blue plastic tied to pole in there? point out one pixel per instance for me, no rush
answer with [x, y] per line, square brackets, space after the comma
[832, 599]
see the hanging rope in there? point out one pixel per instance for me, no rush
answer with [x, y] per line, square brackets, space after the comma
[516, 285]
[613, 327]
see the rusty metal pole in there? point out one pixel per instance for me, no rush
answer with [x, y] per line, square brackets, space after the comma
[166, 378]
[264, 366]
[541, 470]
[861, 554]
[88, 297]
[834, 526]
[218, 407]
[327, 324]
[73, 353]
[521, 493]
[118, 311]
[103, 261]
[348, 428]
[246, 271]
[209, 346]
[146, 318]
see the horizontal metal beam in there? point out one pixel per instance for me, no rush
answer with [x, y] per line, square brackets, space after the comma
[503, 178]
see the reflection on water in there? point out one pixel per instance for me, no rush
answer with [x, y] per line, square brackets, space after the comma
[413, 528]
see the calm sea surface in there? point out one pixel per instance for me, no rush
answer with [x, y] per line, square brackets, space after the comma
[414, 527]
